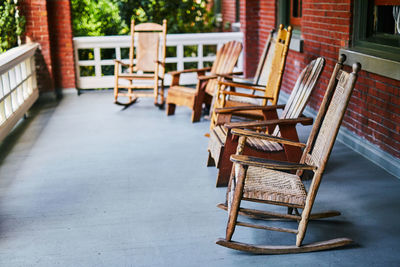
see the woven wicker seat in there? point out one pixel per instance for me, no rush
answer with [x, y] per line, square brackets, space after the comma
[270, 185]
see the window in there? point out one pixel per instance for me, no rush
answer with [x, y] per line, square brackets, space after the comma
[295, 13]
[290, 13]
[377, 25]
[376, 37]
[236, 24]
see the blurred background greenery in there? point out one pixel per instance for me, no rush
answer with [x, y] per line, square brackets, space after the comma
[112, 17]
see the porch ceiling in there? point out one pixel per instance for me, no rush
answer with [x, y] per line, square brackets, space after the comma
[84, 183]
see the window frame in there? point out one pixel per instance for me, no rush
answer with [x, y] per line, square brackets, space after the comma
[360, 33]
[376, 58]
[283, 17]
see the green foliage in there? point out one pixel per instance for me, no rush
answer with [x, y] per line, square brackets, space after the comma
[11, 25]
[182, 15]
[110, 17]
[97, 18]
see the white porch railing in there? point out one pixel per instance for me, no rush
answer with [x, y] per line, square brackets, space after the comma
[94, 56]
[18, 88]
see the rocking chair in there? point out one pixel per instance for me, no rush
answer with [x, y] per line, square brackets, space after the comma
[222, 143]
[179, 95]
[146, 66]
[276, 60]
[266, 181]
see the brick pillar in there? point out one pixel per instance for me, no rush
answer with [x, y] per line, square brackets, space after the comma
[37, 30]
[60, 26]
[228, 10]
[249, 17]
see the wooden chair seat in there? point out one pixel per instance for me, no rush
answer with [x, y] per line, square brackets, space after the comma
[218, 137]
[225, 61]
[236, 102]
[263, 145]
[274, 186]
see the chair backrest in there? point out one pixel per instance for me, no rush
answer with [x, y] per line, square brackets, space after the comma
[302, 90]
[226, 59]
[327, 123]
[148, 37]
[277, 66]
[262, 72]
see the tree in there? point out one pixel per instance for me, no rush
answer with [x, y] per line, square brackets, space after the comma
[11, 24]
[110, 17]
[182, 15]
[97, 18]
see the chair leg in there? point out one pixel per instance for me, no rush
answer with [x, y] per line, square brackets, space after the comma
[196, 113]
[234, 205]
[155, 92]
[225, 164]
[162, 93]
[210, 161]
[170, 109]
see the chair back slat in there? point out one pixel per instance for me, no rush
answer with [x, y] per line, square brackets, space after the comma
[278, 64]
[262, 67]
[303, 88]
[264, 75]
[302, 91]
[226, 59]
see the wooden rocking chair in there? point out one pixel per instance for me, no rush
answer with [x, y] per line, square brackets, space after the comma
[263, 67]
[146, 66]
[266, 181]
[224, 63]
[222, 143]
[268, 93]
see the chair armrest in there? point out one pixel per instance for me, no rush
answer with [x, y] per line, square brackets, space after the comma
[231, 75]
[302, 120]
[244, 95]
[269, 164]
[250, 107]
[189, 70]
[207, 77]
[250, 86]
[268, 137]
[120, 62]
[159, 62]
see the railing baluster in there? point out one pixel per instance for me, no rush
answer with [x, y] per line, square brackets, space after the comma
[18, 90]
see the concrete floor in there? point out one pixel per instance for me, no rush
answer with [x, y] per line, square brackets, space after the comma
[85, 183]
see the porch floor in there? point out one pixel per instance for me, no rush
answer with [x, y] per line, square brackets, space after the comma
[85, 183]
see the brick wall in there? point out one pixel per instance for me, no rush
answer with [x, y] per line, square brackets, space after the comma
[228, 10]
[37, 30]
[49, 24]
[374, 108]
[61, 43]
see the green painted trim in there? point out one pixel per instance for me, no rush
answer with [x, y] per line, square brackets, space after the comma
[375, 64]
